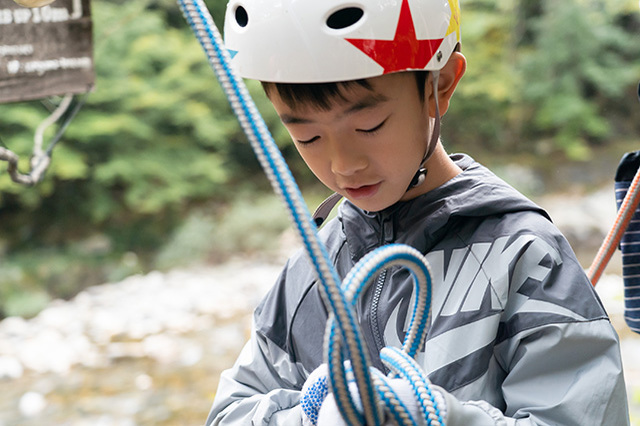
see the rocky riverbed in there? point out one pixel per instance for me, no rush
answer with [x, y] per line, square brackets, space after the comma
[148, 350]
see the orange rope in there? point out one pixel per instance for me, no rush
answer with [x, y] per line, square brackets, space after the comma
[612, 240]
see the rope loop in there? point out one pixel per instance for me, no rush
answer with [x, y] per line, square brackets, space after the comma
[355, 283]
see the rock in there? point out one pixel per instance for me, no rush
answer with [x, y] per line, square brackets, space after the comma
[10, 368]
[610, 288]
[141, 316]
[191, 354]
[155, 345]
[122, 350]
[161, 348]
[31, 404]
[14, 327]
[583, 218]
[144, 382]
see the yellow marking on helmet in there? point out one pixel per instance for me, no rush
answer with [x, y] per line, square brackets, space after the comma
[454, 22]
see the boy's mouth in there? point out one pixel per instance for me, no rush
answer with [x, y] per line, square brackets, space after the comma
[364, 191]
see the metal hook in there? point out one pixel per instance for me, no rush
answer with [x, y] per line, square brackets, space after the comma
[40, 159]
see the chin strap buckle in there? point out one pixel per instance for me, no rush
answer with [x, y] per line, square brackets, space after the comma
[419, 178]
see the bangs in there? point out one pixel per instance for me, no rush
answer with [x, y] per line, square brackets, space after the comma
[320, 95]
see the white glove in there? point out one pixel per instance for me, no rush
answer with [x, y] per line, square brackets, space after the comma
[319, 407]
[314, 392]
[330, 415]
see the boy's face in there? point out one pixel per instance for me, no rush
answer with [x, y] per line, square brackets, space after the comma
[368, 146]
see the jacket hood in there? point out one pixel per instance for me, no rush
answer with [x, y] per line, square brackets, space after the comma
[474, 193]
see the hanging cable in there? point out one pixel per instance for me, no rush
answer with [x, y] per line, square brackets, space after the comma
[63, 127]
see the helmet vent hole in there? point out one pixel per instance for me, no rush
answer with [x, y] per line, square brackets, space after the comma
[242, 18]
[344, 18]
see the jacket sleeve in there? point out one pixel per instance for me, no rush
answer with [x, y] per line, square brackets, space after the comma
[564, 374]
[262, 388]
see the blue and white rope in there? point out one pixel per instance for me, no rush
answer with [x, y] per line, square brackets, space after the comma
[406, 367]
[343, 326]
[396, 407]
[355, 283]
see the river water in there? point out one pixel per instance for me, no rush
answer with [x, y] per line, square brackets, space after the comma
[149, 349]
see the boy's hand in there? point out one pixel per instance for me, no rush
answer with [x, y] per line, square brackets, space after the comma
[329, 414]
[314, 392]
[320, 409]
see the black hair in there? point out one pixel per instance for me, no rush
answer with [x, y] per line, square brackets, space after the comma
[321, 95]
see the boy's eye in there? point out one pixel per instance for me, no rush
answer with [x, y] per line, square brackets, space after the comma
[308, 141]
[373, 129]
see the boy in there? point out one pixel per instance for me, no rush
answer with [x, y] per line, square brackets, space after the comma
[517, 335]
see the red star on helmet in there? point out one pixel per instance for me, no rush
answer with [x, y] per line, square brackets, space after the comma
[405, 51]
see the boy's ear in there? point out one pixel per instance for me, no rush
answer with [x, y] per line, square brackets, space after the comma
[448, 80]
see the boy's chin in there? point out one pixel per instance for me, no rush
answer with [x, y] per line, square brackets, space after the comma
[370, 205]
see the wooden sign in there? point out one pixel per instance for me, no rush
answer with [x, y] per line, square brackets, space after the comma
[45, 51]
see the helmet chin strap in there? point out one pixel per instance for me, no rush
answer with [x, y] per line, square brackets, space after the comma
[421, 174]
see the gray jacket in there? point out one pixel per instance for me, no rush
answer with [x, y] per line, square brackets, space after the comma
[518, 335]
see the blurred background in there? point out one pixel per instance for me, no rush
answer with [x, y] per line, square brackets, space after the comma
[128, 276]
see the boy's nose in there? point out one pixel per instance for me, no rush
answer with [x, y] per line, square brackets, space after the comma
[347, 160]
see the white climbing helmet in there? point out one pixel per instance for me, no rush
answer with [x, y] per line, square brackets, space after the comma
[313, 41]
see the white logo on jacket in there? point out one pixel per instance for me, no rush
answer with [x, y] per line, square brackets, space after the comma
[473, 272]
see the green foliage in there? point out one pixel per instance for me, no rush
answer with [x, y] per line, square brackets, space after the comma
[567, 83]
[251, 225]
[30, 279]
[25, 303]
[151, 116]
[546, 76]
[156, 145]
[480, 115]
[156, 136]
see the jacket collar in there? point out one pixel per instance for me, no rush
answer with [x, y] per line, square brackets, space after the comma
[422, 221]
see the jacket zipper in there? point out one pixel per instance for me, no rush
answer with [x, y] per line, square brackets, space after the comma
[375, 328]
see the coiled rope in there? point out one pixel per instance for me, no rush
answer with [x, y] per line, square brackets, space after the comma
[342, 326]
